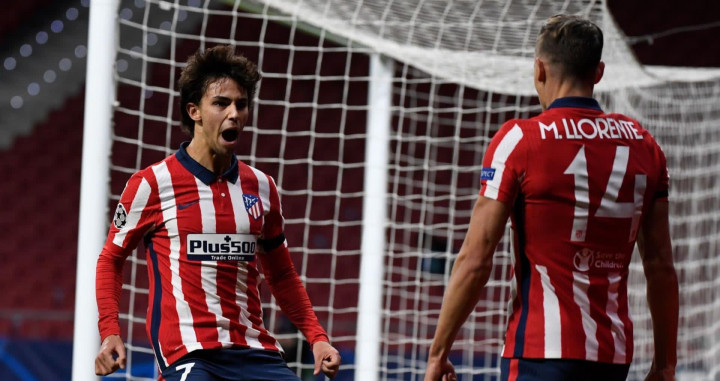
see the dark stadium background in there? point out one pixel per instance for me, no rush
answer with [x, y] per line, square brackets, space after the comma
[38, 223]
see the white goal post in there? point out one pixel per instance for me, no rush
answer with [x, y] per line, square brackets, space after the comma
[373, 117]
[94, 182]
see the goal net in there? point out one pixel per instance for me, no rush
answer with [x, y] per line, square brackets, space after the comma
[455, 71]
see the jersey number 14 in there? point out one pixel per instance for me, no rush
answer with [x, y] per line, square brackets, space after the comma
[609, 206]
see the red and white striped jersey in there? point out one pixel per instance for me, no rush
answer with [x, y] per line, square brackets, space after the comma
[203, 235]
[579, 182]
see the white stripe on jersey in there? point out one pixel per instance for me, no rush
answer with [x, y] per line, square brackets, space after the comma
[164, 359]
[502, 152]
[208, 270]
[609, 207]
[133, 215]
[251, 334]
[617, 327]
[264, 193]
[581, 284]
[169, 211]
[263, 189]
[578, 168]
[207, 208]
[242, 224]
[551, 312]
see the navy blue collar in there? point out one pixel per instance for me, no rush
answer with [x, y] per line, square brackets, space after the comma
[202, 173]
[576, 102]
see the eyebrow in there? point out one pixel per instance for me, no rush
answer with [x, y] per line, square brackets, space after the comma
[224, 98]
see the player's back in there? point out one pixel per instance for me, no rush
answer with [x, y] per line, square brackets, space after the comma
[579, 180]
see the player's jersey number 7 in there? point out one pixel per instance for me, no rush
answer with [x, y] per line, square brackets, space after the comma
[609, 206]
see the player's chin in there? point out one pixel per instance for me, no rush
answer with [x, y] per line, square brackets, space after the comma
[225, 147]
[226, 143]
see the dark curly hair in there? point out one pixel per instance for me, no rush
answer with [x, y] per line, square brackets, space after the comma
[206, 67]
[573, 42]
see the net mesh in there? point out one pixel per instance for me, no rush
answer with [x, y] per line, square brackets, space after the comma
[461, 69]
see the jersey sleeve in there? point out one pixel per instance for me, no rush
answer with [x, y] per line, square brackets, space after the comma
[273, 235]
[290, 293]
[504, 164]
[134, 216]
[280, 273]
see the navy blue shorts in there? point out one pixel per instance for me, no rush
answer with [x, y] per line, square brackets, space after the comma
[235, 364]
[560, 370]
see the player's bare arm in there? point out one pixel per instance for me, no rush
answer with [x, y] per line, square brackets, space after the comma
[469, 274]
[111, 356]
[662, 289]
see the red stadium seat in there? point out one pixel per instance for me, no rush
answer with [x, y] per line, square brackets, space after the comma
[39, 225]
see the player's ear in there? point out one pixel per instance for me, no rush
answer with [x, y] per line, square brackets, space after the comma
[540, 74]
[194, 111]
[599, 71]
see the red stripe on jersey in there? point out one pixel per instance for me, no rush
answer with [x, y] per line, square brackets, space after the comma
[274, 224]
[227, 281]
[624, 312]
[170, 340]
[148, 217]
[227, 272]
[516, 305]
[249, 183]
[502, 184]
[255, 308]
[534, 329]
[203, 321]
[513, 373]
[572, 342]
[152, 290]
[196, 304]
[169, 337]
[110, 262]
[583, 176]
[598, 300]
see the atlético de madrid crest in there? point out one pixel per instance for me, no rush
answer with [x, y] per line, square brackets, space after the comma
[253, 207]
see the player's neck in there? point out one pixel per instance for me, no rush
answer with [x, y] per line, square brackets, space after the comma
[212, 161]
[562, 89]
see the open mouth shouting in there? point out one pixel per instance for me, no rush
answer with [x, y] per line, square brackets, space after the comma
[230, 135]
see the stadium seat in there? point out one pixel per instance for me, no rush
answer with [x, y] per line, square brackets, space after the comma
[39, 224]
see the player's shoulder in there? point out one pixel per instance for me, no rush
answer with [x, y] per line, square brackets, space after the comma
[514, 131]
[517, 123]
[148, 173]
[248, 171]
[528, 124]
[514, 126]
[618, 116]
[646, 135]
[627, 118]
